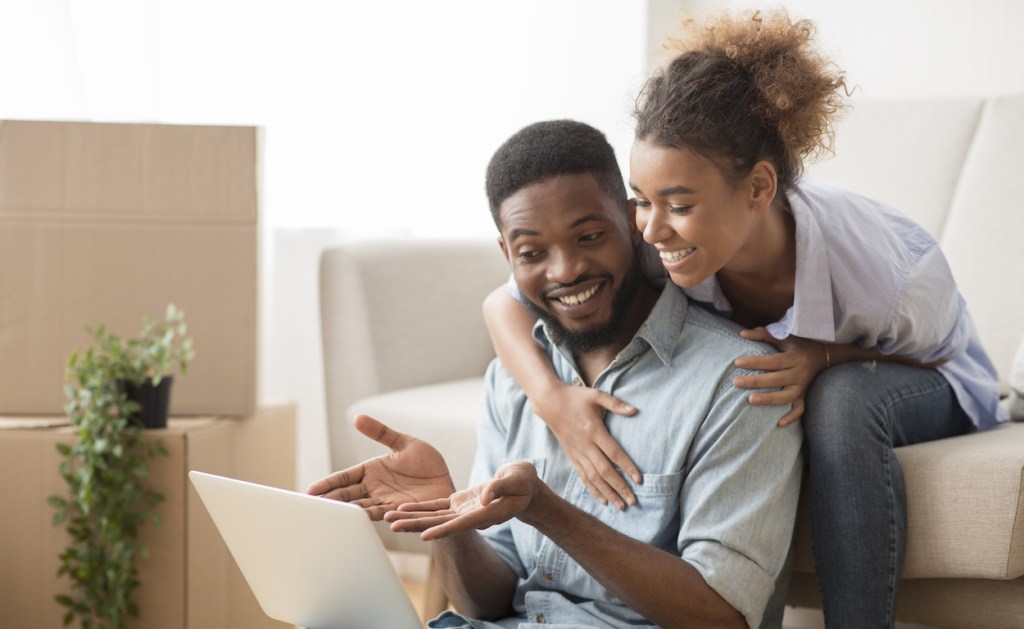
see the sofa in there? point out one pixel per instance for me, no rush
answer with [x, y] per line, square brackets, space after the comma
[403, 340]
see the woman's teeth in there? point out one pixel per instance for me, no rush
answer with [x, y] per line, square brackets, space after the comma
[675, 256]
[575, 300]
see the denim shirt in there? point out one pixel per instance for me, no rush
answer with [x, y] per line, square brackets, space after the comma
[720, 479]
[867, 274]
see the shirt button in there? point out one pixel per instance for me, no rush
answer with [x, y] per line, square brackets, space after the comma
[541, 618]
[547, 577]
[577, 381]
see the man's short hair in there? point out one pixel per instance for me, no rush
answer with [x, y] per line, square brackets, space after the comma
[547, 149]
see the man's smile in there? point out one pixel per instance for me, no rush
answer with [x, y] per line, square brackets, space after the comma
[571, 299]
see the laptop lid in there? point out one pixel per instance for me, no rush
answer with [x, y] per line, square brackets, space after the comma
[310, 561]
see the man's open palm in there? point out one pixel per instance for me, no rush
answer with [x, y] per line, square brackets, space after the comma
[412, 472]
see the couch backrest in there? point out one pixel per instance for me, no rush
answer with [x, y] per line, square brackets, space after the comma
[402, 313]
[952, 165]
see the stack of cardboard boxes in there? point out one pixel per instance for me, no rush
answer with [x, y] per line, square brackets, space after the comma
[102, 223]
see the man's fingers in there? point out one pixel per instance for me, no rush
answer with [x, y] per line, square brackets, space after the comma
[476, 519]
[419, 524]
[336, 480]
[426, 505]
[372, 509]
[350, 493]
[379, 432]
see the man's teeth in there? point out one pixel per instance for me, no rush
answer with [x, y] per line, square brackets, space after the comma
[675, 256]
[575, 300]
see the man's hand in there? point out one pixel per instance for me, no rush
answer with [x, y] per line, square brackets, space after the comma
[575, 416]
[412, 472]
[793, 370]
[507, 495]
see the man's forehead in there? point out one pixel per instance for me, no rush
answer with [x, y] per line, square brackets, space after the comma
[560, 202]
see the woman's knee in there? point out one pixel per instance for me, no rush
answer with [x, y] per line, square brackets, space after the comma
[843, 408]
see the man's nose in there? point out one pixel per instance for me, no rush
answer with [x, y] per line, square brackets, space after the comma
[566, 266]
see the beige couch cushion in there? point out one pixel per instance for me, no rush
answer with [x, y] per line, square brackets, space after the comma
[965, 510]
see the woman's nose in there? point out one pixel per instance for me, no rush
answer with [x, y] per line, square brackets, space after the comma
[655, 227]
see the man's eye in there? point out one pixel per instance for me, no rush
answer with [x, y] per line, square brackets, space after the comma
[591, 237]
[529, 254]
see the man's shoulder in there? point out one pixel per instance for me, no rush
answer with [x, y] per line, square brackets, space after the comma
[707, 329]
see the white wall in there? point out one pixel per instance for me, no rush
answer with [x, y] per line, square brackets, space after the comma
[379, 117]
[897, 49]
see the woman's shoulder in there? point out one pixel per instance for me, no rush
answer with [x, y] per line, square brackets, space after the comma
[837, 209]
[851, 224]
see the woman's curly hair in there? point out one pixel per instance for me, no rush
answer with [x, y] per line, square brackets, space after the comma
[742, 89]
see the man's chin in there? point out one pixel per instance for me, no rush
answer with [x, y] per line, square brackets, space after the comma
[579, 338]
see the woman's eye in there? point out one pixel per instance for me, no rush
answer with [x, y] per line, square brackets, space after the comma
[643, 204]
[679, 209]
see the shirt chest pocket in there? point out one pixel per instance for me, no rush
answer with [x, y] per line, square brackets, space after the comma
[654, 519]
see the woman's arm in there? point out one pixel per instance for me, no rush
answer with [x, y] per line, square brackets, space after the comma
[574, 414]
[797, 364]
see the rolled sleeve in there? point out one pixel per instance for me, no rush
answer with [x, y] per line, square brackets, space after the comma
[739, 500]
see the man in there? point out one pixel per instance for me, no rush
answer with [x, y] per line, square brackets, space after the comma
[714, 513]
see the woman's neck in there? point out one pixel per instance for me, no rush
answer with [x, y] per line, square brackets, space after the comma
[760, 285]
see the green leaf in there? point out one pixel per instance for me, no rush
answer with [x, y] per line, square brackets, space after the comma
[64, 449]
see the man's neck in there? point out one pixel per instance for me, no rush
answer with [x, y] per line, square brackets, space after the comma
[592, 363]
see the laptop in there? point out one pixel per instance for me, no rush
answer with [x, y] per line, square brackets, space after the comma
[310, 561]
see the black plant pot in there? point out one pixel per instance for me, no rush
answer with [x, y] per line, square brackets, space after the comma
[153, 402]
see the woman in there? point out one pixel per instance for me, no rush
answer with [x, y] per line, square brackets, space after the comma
[876, 347]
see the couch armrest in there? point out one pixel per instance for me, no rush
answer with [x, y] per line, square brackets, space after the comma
[401, 313]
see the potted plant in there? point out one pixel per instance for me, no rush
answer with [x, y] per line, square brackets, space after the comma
[107, 467]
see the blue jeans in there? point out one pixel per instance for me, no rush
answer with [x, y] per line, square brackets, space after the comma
[856, 414]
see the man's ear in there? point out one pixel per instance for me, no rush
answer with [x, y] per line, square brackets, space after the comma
[634, 231]
[764, 182]
[504, 249]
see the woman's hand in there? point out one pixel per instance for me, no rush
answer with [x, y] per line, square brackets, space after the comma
[793, 370]
[576, 416]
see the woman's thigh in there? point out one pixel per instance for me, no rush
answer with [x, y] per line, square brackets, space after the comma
[883, 401]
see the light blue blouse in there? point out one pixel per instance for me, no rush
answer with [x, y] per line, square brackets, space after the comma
[867, 274]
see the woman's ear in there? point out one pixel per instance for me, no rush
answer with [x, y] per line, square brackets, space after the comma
[764, 182]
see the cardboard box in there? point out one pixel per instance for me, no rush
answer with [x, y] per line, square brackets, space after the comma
[102, 223]
[189, 580]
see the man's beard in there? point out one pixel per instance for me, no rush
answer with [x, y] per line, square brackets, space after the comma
[601, 334]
